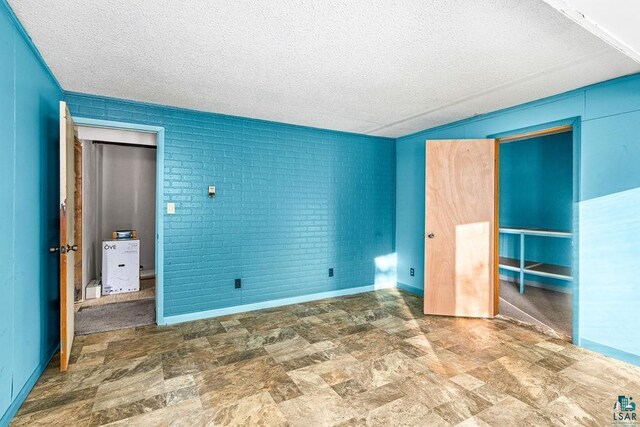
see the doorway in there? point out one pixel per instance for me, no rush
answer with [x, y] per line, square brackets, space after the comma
[536, 234]
[70, 187]
[116, 181]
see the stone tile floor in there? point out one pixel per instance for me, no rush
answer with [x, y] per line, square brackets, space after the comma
[368, 359]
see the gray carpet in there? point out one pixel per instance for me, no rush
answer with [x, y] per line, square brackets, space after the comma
[540, 307]
[111, 317]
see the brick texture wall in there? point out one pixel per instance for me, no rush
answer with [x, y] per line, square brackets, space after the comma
[291, 203]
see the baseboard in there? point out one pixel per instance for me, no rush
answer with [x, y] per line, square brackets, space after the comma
[13, 408]
[410, 289]
[180, 318]
[634, 359]
[535, 284]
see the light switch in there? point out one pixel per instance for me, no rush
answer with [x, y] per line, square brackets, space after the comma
[171, 208]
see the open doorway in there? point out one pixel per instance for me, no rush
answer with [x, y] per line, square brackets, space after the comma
[115, 274]
[537, 229]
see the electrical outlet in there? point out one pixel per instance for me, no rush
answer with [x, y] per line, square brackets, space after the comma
[331, 272]
[171, 208]
[238, 283]
[412, 272]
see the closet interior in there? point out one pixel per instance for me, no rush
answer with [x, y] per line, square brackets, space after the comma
[536, 230]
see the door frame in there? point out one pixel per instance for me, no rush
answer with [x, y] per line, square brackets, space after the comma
[159, 243]
[551, 128]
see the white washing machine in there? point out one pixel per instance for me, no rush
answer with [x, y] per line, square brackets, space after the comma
[120, 266]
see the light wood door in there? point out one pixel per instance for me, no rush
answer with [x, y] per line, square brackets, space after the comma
[461, 228]
[67, 234]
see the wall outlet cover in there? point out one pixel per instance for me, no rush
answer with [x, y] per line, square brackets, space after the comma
[238, 283]
[331, 272]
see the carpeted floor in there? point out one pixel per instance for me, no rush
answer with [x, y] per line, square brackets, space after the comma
[540, 307]
[111, 317]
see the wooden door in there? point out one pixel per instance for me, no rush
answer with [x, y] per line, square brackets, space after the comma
[461, 260]
[67, 234]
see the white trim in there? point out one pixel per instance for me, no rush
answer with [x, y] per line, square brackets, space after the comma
[118, 135]
[180, 318]
[536, 232]
[592, 26]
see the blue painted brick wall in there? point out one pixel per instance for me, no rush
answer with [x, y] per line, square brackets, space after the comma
[291, 202]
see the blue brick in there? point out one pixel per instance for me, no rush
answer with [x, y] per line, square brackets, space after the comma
[291, 202]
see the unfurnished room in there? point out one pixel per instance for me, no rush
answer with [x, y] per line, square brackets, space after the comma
[320, 213]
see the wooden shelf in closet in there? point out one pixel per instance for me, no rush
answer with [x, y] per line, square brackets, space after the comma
[537, 268]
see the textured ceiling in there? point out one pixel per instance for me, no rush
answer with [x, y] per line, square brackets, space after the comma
[384, 68]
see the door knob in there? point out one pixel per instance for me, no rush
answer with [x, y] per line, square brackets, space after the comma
[430, 235]
[71, 248]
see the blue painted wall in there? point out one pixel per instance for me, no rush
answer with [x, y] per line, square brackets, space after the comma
[291, 203]
[536, 191]
[608, 126]
[536, 183]
[29, 318]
